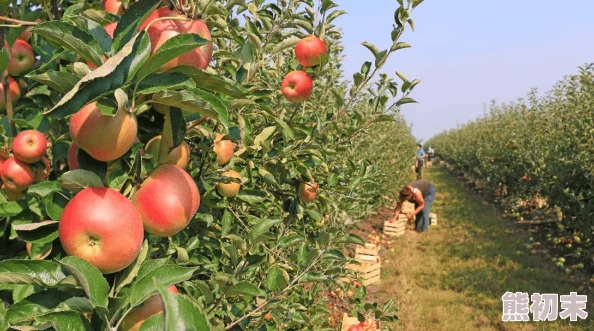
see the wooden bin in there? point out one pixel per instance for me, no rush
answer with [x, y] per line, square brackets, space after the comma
[370, 265]
[348, 321]
[433, 218]
[395, 229]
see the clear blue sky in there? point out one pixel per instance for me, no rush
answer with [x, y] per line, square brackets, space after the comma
[468, 52]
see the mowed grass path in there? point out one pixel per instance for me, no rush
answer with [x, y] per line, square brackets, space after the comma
[453, 277]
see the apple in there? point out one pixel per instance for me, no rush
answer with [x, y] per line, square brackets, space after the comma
[231, 189]
[104, 137]
[355, 327]
[21, 58]
[167, 200]
[15, 92]
[29, 146]
[42, 173]
[297, 86]
[110, 28]
[73, 156]
[161, 31]
[102, 227]
[268, 316]
[17, 175]
[308, 191]
[113, 6]
[309, 50]
[2, 160]
[223, 149]
[179, 156]
[153, 305]
[13, 195]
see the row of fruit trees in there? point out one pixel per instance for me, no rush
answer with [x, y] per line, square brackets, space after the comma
[536, 156]
[203, 158]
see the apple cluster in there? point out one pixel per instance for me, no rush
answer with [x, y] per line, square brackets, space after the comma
[366, 325]
[27, 164]
[21, 61]
[297, 85]
[223, 148]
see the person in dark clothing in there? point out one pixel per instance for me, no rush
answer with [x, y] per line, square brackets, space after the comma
[422, 193]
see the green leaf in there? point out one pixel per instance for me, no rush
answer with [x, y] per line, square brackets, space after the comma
[96, 30]
[4, 58]
[143, 286]
[61, 81]
[31, 272]
[264, 135]
[416, 3]
[385, 118]
[172, 48]
[313, 277]
[12, 208]
[351, 238]
[127, 275]
[66, 321]
[195, 100]
[154, 323]
[211, 82]
[178, 126]
[42, 303]
[399, 45]
[401, 76]
[371, 47]
[405, 101]
[314, 214]
[181, 313]
[113, 74]
[89, 278]
[262, 227]
[160, 82]
[245, 289]
[276, 279]
[380, 58]
[79, 179]
[286, 129]
[290, 240]
[365, 68]
[42, 189]
[39, 232]
[285, 44]
[335, 14]
[72, 38]
[128, 25]
[226, 222]
[332, 179]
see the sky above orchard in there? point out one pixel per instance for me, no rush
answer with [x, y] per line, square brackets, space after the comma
[468, 52]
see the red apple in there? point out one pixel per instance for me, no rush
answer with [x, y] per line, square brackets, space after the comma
[21, 58]
[73, 157]
[42, 173]
[231, 189]
[104, 137]
[297, 86]
[223, 149]
[161, 31]
[309, 50]
[15, 92]
[110, 28]
[167, 200]
[17, 175]
[268, 316]
[179, 156]
[29, 146]
[113, 6]
[101, 226]
[308, 191]
[153, 305]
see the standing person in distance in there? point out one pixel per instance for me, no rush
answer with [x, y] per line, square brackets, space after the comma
[430, 156]
[419, 164]
[422, 193]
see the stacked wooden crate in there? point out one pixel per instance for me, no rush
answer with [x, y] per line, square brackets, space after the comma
[369, 266]
[433, 218]
[395, 228]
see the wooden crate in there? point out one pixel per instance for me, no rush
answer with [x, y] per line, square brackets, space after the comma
[370, 265]
[395, 229]
[348, 321]
[433, 218]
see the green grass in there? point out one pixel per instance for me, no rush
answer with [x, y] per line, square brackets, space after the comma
[453, 277]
